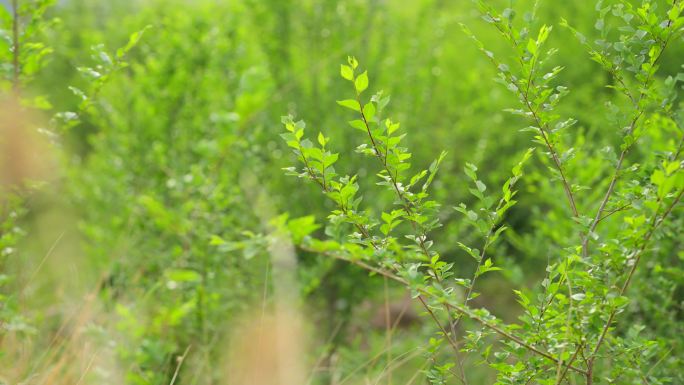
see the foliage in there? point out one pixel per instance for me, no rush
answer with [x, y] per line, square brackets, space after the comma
[565, 331]
[147, 226]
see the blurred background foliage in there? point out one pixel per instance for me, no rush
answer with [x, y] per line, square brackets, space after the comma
[154, 212]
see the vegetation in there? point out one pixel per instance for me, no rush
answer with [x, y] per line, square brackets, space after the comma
[487, 192]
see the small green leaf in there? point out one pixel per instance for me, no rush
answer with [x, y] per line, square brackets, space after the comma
[351, 104]
[361, 82]
[369, 111]
[358, 124]
[347, 72]
[183, 275]
[216, 240]
[353, 63]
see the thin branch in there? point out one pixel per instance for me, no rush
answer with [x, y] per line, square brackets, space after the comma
[611, 212]
[637, 257]
[447, 335]
[554, 156]
[16, 48]
[572, 359]
[667, 353]
[312, 175]
[618, 167]
[680, 147]
[406, 205]
[559, 370]
[543, 128]
[471, 287]
[456, 307]
[180, 361]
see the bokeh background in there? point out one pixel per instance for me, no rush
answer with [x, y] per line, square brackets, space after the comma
[137, 253]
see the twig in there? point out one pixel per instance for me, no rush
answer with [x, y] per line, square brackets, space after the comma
[16, 70]
[447, 335]
[455, 307]
[554, 155]
[572, 359]
[618, 167]
[406, 205]
[180, 361]
[637, 257]
[611, 212]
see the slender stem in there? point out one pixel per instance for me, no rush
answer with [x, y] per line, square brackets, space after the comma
[456, 307]
[312, 175]
[680, 147]
[406, 205]
[469, 292]
[572, 359]
[560, 373]
[611, 188]
[618, 167]
[554, 156]
[611, 212]
[447, 335]
[180, 360]
[471, 287]
[16, 48]
[543, 128]
[637, 257]
[388, 329]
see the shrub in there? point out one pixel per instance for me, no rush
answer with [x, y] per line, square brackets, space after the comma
[575, 322]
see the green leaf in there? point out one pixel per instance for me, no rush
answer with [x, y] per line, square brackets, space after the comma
[361, 82]
[132, 42]
[578, 296]
[216, 240]
[322, 139]
[182, 275]
[351, 104]
[486, 267]
[347, 72]
[358, 124]
[470, 170]
[369, 111]
[353, 63]
[301, 227]
[391, 126]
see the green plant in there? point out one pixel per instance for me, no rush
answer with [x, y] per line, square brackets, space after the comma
[569, 330]
[23, 55]
[29, 174]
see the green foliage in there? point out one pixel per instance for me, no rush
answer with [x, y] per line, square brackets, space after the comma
[565, 333]
[544, 247]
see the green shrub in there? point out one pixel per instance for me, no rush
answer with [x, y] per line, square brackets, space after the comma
[573, 326]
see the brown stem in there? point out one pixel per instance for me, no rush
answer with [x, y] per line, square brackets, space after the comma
[471, 287]
[572, 359]
[554, 156]
[616, 174]
[457, 308]
[453, 343]
[637, 257]
[406, 205]
[362, 229]
[542, 128]
[611, 188]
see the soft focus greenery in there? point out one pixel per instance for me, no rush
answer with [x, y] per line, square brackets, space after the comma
[148, 220]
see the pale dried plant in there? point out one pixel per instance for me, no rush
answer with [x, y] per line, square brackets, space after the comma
[25, 153]
[67, 339]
